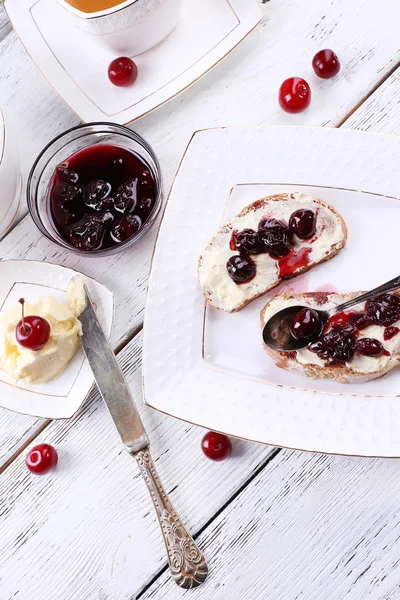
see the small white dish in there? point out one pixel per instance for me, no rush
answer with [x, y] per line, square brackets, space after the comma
[130, 27]
[206, 32]
[10, 176]
[211, 367]
[62, 397]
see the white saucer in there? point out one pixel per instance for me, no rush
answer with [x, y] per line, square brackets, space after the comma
[211, 367]
[76, 67]
[60, 398]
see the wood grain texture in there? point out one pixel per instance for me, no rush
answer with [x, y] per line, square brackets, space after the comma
[308, 528]
[93, 519]
[381, 111]
[5, 25]
[242, 89]
[37, 112]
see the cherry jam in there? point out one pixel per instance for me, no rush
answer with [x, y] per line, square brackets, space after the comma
[288, 264]
[101, 196]
[275, 238]
[390, 332]
[340, 318]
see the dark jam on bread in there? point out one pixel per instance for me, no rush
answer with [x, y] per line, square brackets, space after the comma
[337, 344]
[275, 238]
[101, 196]
[293, 261]
[383, 309]
[241, 268]
[339, 340]
[390, 332]
[339, 319]
[303, 223]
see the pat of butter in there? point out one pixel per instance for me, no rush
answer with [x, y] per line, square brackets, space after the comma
[37, 367]
[76, 296]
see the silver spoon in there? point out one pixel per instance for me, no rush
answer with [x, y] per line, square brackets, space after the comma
[276, 332]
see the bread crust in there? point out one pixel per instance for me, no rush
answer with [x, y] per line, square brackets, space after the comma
[339, 372]
[261, 203]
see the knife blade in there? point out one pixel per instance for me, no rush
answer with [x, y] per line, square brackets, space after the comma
[187, 564]
[110, 380]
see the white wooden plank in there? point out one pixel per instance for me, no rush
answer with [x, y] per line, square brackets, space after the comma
[5, 25]
[380, 112]
[93, 519]
[241, 90]
[308, 528]
[37, 112]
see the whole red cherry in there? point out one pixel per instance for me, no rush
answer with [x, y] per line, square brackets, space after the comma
[122, 71]
[216, 446]
[326, 64]
[303, 223]
[32, 332]
[294, 95]
[41, 459]
[305, 324]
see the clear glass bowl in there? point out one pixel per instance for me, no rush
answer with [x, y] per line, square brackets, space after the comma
[62, 147]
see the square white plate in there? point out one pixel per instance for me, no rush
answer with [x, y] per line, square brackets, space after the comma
[60, 398]
[211, 367]
[76, 66]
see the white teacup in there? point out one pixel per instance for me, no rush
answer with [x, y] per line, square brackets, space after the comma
[10, 176]
[131, 27]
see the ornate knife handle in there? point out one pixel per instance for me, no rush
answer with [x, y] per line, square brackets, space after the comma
[187, 565]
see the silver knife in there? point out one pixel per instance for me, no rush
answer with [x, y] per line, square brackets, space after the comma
[187, 564]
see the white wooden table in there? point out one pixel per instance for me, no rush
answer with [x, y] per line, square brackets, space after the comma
[273, 523]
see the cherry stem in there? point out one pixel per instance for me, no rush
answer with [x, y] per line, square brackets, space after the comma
[22, 303]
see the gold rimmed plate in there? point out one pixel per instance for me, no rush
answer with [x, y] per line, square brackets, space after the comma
[62, 397]
[211, 367]
[208, 31]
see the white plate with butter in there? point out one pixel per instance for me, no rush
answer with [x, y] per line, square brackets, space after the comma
[59, 398]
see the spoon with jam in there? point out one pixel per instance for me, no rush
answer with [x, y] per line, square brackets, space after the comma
[296, 327]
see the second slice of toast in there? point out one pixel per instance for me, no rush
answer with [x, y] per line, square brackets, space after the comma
[359, 369]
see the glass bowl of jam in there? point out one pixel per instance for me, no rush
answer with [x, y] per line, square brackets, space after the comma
[95, 189]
